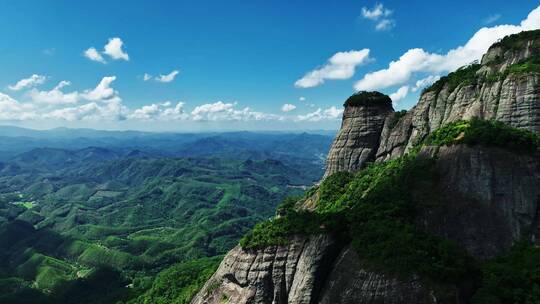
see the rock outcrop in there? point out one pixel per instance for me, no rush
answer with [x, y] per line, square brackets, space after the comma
[513, 98]
[358, 138]
[349, 282]
[487, 198]
[278, 274]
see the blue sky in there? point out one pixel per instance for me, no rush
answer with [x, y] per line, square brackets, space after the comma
[246, 65]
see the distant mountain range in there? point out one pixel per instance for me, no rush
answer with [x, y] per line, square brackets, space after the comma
[15, 140]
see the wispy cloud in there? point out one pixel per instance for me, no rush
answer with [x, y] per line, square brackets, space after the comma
[380, 15]
[491, 18]
[161, 78]
[167, 78]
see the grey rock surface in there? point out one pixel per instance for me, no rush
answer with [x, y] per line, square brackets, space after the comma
[358, 138]
[277, 274]
[350, 283]
[487, 198]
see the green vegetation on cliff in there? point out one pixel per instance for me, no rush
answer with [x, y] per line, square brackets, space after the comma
[511, 278]
[179, 283]
[462, 76]
[366, 98]
[376, 210]
[485, 133]
[517, 41]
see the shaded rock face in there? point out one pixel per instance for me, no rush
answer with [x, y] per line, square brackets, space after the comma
[359, 136]
[278, 274]
[350, 283]
[487, 198]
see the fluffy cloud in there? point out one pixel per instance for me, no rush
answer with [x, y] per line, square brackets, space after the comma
[399, 94]
[160, 111]
[220, 111]
[380, 15]
[29, 82]
[93, 55]
[10, 109]
[54, 96]
[287, 107]
[320, 114]
[341, 65]
[112, 110]
[147, 77]
[102, 91]
[114, 49]
[167, 78]
[418, 60]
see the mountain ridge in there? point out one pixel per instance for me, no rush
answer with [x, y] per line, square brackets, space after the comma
[459, 200]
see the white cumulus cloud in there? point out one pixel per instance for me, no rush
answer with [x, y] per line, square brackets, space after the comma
[93, 55]
[11, 109]
[161, 111]
[341, 65]
[102, 91]
[220, 111]
[112, 110]
[330, 113]
[399, 94]
[114, 49]
[416, 60]
[287, 107]
[55, 96]
[29, 82]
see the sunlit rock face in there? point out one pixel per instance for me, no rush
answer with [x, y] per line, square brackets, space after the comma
[358, 139]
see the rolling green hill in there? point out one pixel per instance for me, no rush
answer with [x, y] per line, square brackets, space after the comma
[70, 219]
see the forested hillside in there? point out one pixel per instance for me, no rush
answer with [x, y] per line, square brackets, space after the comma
[74, 220]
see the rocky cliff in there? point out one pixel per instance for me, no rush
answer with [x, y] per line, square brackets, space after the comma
[495, 89]
[484, 198]
[360, 133]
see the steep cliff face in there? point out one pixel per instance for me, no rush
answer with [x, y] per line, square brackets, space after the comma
[278, 274]
[493, 92]
[358, 138]
[483, 198]
[488, 198]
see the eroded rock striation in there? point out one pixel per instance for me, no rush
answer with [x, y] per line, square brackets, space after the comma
[278, 274]
[358, 138]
